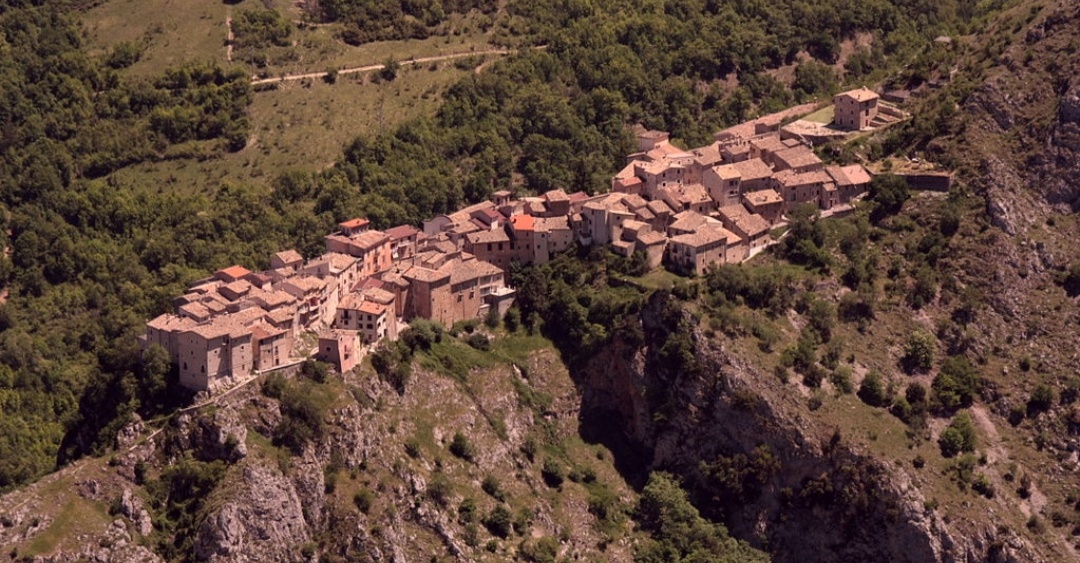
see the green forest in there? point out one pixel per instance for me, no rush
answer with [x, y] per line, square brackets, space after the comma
[89, 258]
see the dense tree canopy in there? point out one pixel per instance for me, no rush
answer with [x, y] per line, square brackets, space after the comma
[92, 256]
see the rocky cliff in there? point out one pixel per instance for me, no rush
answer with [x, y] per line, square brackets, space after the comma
[818, 498]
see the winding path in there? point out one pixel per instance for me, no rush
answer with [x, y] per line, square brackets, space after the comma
[369, 68]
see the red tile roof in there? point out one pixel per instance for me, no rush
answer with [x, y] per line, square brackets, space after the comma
[372, 308]
[401, 231]
[233, 272]
[522, 222]
[354, 223]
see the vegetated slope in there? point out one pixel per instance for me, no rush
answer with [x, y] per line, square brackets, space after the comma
[1012, 132]
[475, 456]
[95, 253]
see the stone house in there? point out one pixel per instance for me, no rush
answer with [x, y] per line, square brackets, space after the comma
[753, 229]
[492, 246]
[855, 109]
[799, 158]
[272, 346]
[341, 348]
[370, 248]
[766, 203]
[448, 288]
[403, 241]
[798, 188]
[694, 252]
[164, 330]
[286, 260]
[850, 180]
[210, 352]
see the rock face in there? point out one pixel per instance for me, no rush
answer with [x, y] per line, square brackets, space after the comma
[262, 520]
[1023, 122]
[823, 500]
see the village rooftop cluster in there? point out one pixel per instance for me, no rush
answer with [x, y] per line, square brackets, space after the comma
[687, 208]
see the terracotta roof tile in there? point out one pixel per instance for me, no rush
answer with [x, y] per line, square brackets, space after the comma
[401, 231]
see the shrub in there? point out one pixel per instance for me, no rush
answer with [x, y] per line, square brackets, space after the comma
[981, 484]
[512, 320]
[1042, 399]
[389, 70]
[467, 511]
[841, 380]
[461, 447]
[822, 317]
[412, 447]
[363, 500]
[955, 386]
[553, 473]
[530, 447]
[274, 386]
[918, 352]
[422, 334]
[315, 370]
[1071, 282]
[523, 520]
[491, 320]
[888, 192]
[958, 437]
[873, 390]
[543, 550]
[301, 421]
[439, 490]
[499, 522]
[480, 342]
[491, 486]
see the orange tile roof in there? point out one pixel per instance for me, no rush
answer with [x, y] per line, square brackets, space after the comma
[522, 222]
[236, 272]
[372, 308]
[354, 223]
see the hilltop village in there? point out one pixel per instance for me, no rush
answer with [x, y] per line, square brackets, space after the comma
[688, 209]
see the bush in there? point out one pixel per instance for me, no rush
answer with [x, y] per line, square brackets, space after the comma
[480, 342]
[955, 386]
[461, 447]
[491, 486]
[439, 490]
[982, 485]
[1071, 281]
[315, 370]
[1042, 399]
[841, 380]
[553, 473]
[412, 448]
[918, 352]
[491, 320]
[873, 391]
[499, 522]
[467, 511]
[544, 550]
[958, 437]
[301, 421]
[389, 70]
[422, 334]
[512, 320]
[274, 386]
[888, 192]
[363, 500]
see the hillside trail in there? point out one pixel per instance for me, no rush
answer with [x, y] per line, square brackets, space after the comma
[376, 67]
